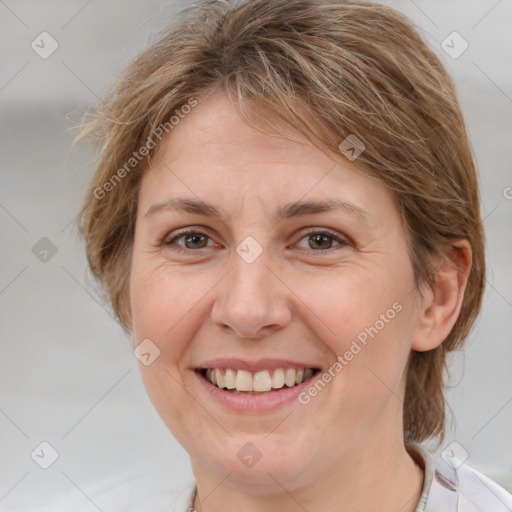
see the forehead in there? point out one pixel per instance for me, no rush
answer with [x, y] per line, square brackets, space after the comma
[215, 132]
[213, 154]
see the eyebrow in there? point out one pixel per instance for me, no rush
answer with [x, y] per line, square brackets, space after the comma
[295, 209]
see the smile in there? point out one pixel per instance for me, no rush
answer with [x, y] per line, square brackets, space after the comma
[254, 386]
[246, 382]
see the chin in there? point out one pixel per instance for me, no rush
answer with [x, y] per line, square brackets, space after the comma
[258, 464]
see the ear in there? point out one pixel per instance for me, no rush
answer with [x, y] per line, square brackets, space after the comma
[441, 303]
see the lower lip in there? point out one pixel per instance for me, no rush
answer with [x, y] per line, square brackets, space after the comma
[257, 403]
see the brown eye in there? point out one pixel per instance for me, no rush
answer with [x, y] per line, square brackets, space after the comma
[189, 240]
[195, 240]
[320, 241]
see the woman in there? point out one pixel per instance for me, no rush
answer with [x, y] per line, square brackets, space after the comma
[285, 218]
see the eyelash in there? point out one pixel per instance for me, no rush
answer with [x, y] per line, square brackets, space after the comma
[173, 246]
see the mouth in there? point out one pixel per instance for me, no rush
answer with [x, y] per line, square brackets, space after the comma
[263, 382]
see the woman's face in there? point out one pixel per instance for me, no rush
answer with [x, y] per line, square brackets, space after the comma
[292, 262]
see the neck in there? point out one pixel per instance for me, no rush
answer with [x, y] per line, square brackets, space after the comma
[373, 476]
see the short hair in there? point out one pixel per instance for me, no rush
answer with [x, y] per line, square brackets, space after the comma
[329, 69]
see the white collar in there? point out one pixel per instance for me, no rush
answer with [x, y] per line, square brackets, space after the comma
[448, 487]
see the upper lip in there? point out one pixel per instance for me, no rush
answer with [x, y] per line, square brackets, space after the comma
[254, 366]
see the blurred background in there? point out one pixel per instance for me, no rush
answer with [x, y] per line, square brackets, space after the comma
[67, 375]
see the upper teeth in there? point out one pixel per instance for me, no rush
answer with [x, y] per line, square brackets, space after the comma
[242, 380]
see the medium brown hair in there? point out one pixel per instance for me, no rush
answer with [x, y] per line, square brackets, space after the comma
[329, 69]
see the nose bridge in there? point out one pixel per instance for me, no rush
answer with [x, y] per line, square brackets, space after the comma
[250, 300]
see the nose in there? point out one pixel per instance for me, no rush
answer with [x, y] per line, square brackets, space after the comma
[252, 301]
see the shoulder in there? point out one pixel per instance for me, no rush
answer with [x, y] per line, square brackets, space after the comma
[479, 493]
[185, 502]
[457, 486]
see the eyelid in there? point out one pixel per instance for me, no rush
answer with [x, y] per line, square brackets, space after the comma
[170, 240]
[342, 240]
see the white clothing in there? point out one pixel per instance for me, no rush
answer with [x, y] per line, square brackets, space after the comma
[450, 486]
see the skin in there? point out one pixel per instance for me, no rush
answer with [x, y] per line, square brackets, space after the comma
[294, 301]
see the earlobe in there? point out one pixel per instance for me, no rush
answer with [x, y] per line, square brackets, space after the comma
[442, 302]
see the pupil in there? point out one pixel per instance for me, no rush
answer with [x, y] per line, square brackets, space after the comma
[317, 240]
[195, 239]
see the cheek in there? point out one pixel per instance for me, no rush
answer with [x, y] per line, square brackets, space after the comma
[162, 302]
[366, 320]
[159, 298]
[354, 305]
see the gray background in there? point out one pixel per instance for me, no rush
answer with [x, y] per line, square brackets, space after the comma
[67, 375]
